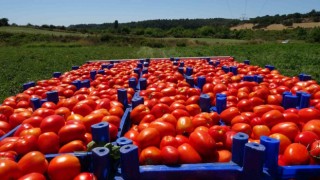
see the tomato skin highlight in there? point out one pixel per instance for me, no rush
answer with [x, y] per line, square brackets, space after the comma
[64, 166]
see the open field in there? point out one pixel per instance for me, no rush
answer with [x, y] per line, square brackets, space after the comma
[20, 64]
[31, 30]
[278, 26]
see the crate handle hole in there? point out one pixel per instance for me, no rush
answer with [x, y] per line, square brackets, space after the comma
[102, 150]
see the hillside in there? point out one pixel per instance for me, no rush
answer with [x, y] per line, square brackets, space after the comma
[277, 26]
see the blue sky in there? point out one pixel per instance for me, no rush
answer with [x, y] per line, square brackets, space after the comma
[67, 12]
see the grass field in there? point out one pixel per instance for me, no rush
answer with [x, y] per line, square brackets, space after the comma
[20, 64]
[30, 30]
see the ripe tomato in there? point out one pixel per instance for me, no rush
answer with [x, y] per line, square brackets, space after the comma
[33, 161]
[307, 114]
[160, 109]
[85, 176]
[193, 109]
[43, 112]
[48, 142]
[116, 110]
[260, 130]
[228, 114]
[112, 119]
[137, 113]
[92, 119]
[150, 156]
[164, 128]
[64, 166]
[132, 134]
[169, 141]
[170, 155]
[170, 119]
[71, 132]
[296, 154]
[224, 156]
[63, 111]
[73, 146]
[177, 113]
[242, 127]
[181, 139]
[288, 129]
[184, 125]
[245, 105]
[202, 142]
[188, 155]
[33, 176]
[312, 125]
[82, 108]
[25, 144]
[52, 123]
[284, 141]
[315, 150]
[9, 169]
[34, 121]
[272, 117]
[306, 138]
[148, 137]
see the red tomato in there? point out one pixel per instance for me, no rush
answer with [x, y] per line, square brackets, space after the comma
[170, 155]
[43, 112]
[164, 128]
[34, 121]
[150, 156]
[132, 134]
[315, 150]
[288, 129]
[148, 137]
[170, 119]
[82, 108]
[117, 111]
[92, 119]
[224, 156]
[296, 154]
[260, 130]
[284, 141]
[48, 142]
[184, 125]
[242, 127]
[188, 155]
[245, 105]
[63, 111]
[262, 109]
[49, 105]
[64, 166]
[6, 110]
[193, 109]
[137, 113]
[178, 113]
[160, 109]
[73, 146]
[52, 123]
[9, 169]
[113, 131]
[85, 176]
[181, 139]
[218, 133]
[71, 132]
[25, 144]
[312, 125]
[306, 138]
[33, 161]
[169, 141]
[228, 114]
[33, 176]
[307, 114]
[272, 117]
[202, 142]
[228, 139]
[148, 118]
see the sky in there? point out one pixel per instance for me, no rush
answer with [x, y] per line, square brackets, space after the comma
[68, 12]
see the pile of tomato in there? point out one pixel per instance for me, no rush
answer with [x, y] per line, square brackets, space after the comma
[63, 126]
[169, 127]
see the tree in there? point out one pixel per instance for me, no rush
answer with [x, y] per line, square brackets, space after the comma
[116, 24]
[4, 22]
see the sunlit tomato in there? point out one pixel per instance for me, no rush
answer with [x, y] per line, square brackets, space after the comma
[71, 132]
[43, 112]
[164, 128]
[177, 113]
[52, 123]
[6, 110]
[272, 117]
[193, 100]
[33, 161]
[169, 91]
[288, 129]
[73, 146]
[137, 113]
[284, 141]
[312, 125]
[150, 156]
[9, 169]
[34, 121]
[240, 119]
[82, 109]
[307, 114]
[117, 111]
[5, 126]
[85, 176]
[224, 155]
[33, 176]
[76, 117]
[25, 144]
[218, 133]
[103, 103]
[208, 87]
[181, 139]
[113, 131]
[48, 142]
[228, 139]
[170, 155]
[63, 111]
[17, 118]
[274, 99]
[193, 109]
[228, 114]
[49, 105]
[132, 134]
[242, 127]
[64, 166]
[306, 138]
[296, 154]
[314, 150]
[260, 130]
[160, 109]
[262, 109]
[184, 125]
[112, 119]
[148, 137]
[33, 131]
[245, 105]
[202, 142]
[92, 119]
[169, 141]
[188, 155]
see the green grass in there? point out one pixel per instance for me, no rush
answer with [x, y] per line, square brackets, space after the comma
[31, 30]
[20, 64]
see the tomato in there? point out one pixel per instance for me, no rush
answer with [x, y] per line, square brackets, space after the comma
[33, 161]
[306, 138]
[117, 111]
[170, 119]
[25, 144]
[132, 134]
[6, 110]
[9, 169]
[284, 141]
[291, 117]
[52, 123]
[245, 105]
[177, 113]
[307, 114]
[208, 87]
[32, 131]
[262, 109]
[48, 142]
[73, 146]
[240, 119]
[164, 128]
[34, 121]
[228, 114]
[17, 118]
[82, 108]
[49, 105]
[64, 166]
[193, 109]
[43, 112]
[112, 119]
[224, 156]
[260, 130]
[148, 118]
[91, 119]
[288, 129]
[228, 139]
[169, 141]
[150, 156]
[315, 150]
[148, 137]
[193, 100]
[85, 176]
[272, 117]
[8, 155]
[170, 155]
[113, 131]
[33, 176]
[296, 154]
[312, 125]
[5, 126]
[184, 125]
[137, 113]
[181, 139]
[63, 111]
[71, 132]
[202, 142]
[188, 155]
[160, 109]
[103, 103]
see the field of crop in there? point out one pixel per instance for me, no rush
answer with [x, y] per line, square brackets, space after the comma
[13, 29]
[20, 64]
